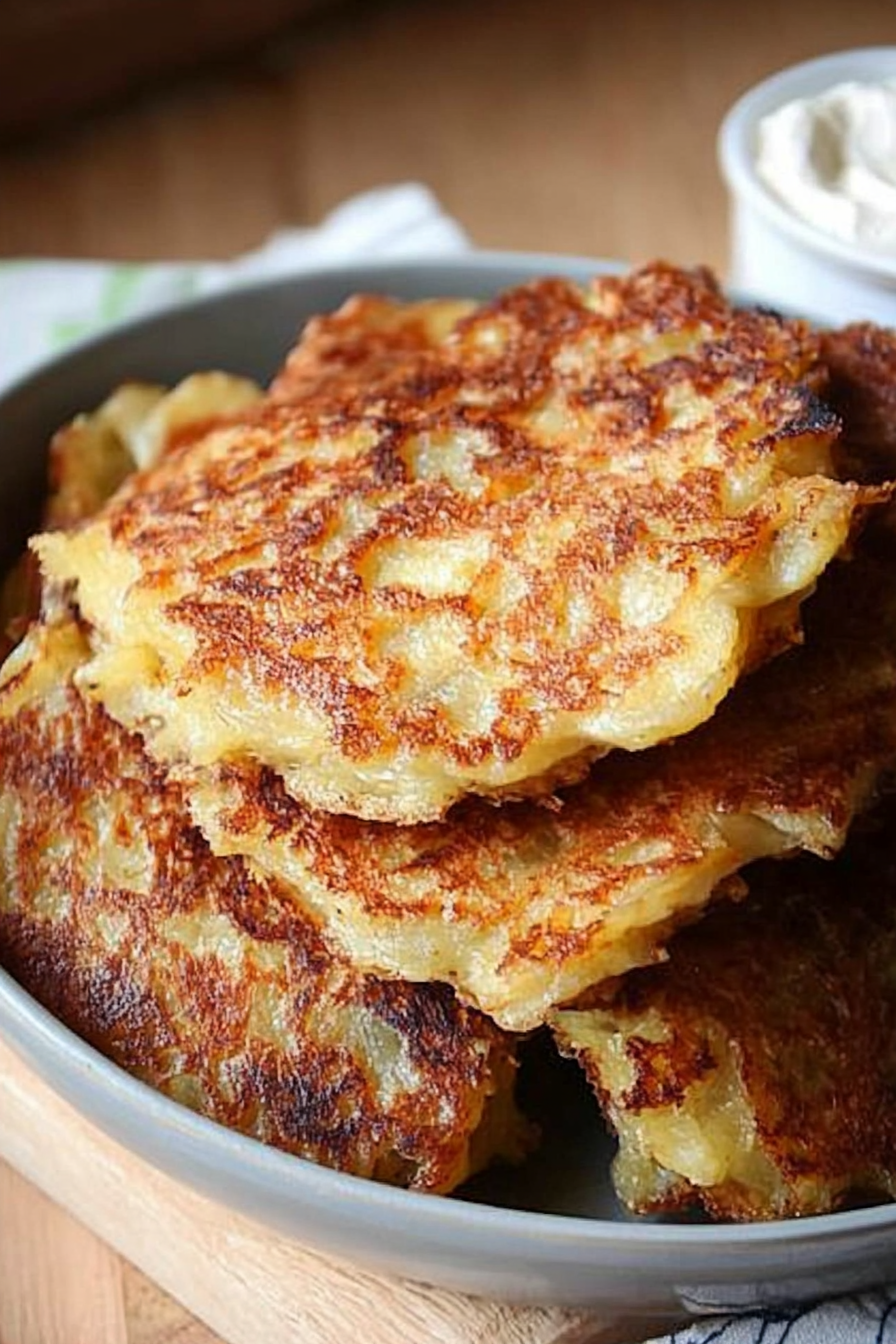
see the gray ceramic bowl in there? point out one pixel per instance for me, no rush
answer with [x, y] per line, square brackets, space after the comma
[547, 1233]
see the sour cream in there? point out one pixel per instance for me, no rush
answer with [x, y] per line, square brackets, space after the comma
[831, 160]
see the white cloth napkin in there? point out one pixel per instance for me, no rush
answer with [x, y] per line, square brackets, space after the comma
[46, 304]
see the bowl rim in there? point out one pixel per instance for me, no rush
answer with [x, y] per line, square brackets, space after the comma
[38, 1036]
[566, 264]
[64, 1060]
[734, 149]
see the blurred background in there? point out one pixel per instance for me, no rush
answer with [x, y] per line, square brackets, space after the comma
[138, 129]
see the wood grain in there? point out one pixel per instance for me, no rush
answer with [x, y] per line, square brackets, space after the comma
[578, 127]
[73, 1293]
[85, 52]
[60, 1285]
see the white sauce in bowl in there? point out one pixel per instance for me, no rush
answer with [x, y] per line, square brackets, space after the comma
[831, 160]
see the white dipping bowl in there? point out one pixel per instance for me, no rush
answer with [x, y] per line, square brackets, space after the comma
[776, 256]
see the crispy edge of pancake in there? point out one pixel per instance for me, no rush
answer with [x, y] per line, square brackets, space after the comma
[861, 363]
[754, 1073]
[361, 346]
[320, 726]
[206, 982]
[95, 452]
[523, 907]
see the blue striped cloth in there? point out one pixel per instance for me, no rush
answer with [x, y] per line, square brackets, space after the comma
[866, 1318]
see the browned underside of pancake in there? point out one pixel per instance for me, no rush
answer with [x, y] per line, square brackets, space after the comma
[209, 983]
[861, 359]
[792, 995]
[523, 906]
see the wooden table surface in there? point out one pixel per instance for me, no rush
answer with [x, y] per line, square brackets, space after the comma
[568, 126]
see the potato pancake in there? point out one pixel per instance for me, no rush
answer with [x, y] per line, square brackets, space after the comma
[522, 907]
[91, 455]
[755, 1072]
[861, 361]
[208, 982]
[468, 549]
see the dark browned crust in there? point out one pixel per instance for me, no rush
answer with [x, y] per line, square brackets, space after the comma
[185, 1011]
[797, 984]
[359, 349]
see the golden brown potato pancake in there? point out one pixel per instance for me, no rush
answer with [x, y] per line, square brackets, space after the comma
[208, 982]
[522, 907]
[754, 1073]
[467, 550]
[92, 455]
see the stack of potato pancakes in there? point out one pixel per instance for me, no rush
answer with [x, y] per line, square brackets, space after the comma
[504, 666]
